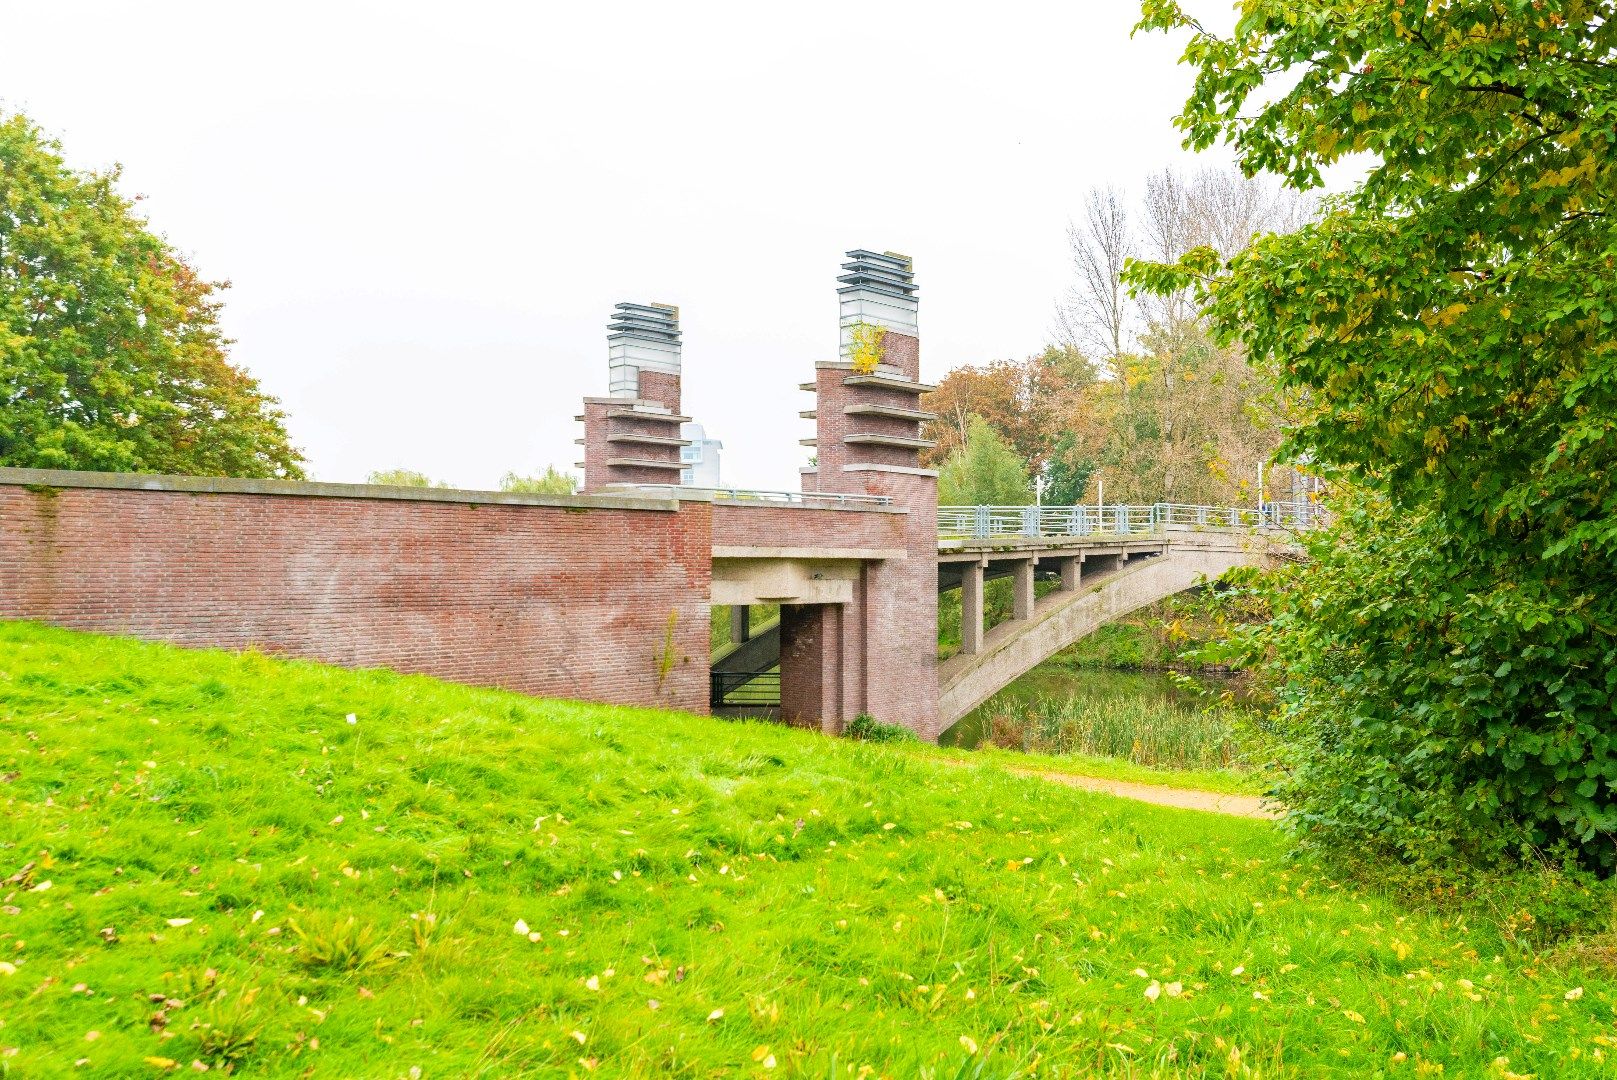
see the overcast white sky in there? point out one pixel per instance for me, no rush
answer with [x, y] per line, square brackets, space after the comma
[427, 211]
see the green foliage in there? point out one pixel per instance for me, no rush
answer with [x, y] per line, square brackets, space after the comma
[150, 784]
[111, 355]
[1450, 325]
[867, 728]
[985, 472]
[550, 482]
[1067, 476]
[758, 616]
[404, 478]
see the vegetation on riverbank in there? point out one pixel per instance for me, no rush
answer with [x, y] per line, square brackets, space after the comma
[208, 862]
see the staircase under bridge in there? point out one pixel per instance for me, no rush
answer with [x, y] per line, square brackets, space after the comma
[1105, 562]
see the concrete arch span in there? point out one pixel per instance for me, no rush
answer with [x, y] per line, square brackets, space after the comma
[1013, 648]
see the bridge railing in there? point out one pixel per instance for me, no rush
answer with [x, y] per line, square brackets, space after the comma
[987, 522]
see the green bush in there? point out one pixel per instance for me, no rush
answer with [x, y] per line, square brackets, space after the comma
[867, 728]
[1438, 703]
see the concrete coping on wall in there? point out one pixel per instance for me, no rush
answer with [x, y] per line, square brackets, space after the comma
[901, 470]
[221, 485]
[755, 551]
[799, 501]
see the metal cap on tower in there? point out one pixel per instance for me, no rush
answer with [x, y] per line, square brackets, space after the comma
[877, 290]
[641, 337]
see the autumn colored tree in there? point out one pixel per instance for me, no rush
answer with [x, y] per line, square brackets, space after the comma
[1448, 329]
[111, 356]
[1022, 401]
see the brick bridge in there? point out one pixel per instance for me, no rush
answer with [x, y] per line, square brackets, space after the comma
[607, 595]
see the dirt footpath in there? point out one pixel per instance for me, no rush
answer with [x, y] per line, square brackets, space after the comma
[1247, 806]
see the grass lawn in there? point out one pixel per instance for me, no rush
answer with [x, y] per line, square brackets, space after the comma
[204, 862]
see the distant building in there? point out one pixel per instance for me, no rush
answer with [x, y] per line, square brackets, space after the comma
[700, 459]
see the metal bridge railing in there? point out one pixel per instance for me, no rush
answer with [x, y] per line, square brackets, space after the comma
[756, 688]
[987, 522]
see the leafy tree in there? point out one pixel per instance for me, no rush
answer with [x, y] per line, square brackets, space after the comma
[404, 478]
[1021, 400]
[550, 482]
[111, 356]
[1450, 328]
[984, 472]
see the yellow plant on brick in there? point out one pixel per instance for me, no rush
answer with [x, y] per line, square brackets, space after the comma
[864, 346]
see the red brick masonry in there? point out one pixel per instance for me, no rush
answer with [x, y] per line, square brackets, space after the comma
[600, 598]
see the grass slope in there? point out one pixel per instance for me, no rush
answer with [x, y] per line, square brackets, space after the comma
[207, 864]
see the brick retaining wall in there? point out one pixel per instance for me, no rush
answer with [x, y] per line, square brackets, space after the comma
[564, 597]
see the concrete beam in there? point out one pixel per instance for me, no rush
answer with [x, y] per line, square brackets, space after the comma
[783, 581]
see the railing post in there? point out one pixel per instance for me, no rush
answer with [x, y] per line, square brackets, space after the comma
[1030, 521]
[979, 528]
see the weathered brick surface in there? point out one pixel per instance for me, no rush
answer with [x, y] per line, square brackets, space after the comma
[885, 654]
[557, 601]
[661, 387]
[902, 352]
[741, 525]
[811, 665]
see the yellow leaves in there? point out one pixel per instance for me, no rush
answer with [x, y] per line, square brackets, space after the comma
[1357, 1018]
[969, 1043]
[1583, 170]
[865, 346]
[161, 1062]
[762, 1056]
[715, 1016]
[1573, 994]
[1361, 112]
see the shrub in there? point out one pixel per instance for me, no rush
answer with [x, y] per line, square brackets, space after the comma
[867, 728]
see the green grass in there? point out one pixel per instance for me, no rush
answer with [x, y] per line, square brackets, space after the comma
[1149, 732]
[781, 897]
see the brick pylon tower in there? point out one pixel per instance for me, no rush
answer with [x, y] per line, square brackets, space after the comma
[868, 441]
[631, 436]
